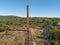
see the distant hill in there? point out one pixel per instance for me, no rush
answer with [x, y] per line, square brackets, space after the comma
[34, 21]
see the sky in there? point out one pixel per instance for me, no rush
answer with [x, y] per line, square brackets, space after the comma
[37, 8]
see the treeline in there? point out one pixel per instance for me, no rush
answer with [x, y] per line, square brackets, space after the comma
[35, 21]
[5, 21]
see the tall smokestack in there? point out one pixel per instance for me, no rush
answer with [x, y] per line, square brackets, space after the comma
[27, 12]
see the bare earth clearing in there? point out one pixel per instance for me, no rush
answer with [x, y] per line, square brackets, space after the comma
[18, 37]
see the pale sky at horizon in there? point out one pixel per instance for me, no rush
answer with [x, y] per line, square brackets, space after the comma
[38, 8]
